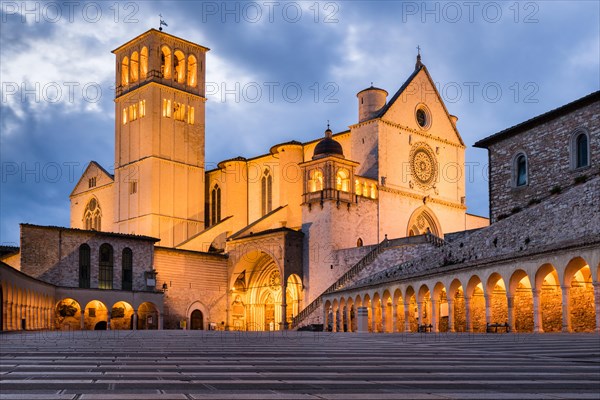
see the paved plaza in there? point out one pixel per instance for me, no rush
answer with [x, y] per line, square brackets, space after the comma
[297, 365]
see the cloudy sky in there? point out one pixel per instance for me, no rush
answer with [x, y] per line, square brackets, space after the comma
[495, 63]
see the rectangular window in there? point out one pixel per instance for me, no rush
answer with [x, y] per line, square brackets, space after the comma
[133, 187]
[190, 115]
[92, 182]
[166, 108]
[142, 107]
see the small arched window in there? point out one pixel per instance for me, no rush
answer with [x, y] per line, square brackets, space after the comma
[315, 181]
[144, 63]
[580, 150]
[192, 71]
[127, 269]
[165, 62]
[134, 67]
[215, 205]
[520, 170]
[342, 180]
[266, 192]
[105, 277]
[125, 71]
[359, 242]
[179, 67]
[93, 215]
[84, 266]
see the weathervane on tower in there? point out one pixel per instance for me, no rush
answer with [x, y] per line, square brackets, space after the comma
[162, 22]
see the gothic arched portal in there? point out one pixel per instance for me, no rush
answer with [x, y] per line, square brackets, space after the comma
[423, 221]
[256, 299]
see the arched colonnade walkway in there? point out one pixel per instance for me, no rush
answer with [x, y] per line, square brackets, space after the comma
[555, 293]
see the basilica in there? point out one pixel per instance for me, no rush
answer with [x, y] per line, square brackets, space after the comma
[365, 229]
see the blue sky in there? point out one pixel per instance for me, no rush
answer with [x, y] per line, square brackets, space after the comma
[495, 63]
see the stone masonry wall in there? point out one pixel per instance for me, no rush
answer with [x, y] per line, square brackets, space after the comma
[548, 151]
[562, 218]
[51, 254]
[194, 281]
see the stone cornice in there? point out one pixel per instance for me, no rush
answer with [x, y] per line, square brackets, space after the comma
[408, 130]
[420, 197]
[422, 134]
[142, 85]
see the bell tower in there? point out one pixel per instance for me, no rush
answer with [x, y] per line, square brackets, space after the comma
[159, 137]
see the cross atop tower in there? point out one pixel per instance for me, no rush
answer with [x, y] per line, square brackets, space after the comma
[418, 64]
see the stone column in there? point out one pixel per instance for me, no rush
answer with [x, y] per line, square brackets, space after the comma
[11, 307]
[434, 316]
[373, 318]
[469, 325]
[82, 320]
[334, 315]
[160, 322]
[406, 318]
[23, 316]
[488, 308]
[5, 325]
[597, 304]
[228, 310]
[566, 308]
[537, 312]
[510, 300]
[283, 325]
[383, 317]
[395, 317]
[349, 317]
[451, 315]
[325, 315]
[27, 316]
[108, 321]
[135, 320]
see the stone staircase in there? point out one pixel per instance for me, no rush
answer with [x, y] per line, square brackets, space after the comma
[381, 257]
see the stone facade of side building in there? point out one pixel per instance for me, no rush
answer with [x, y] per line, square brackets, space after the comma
[80, 279]
[543, 156]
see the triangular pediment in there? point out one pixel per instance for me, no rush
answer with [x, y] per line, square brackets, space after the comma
[93, 170]
[419, 91]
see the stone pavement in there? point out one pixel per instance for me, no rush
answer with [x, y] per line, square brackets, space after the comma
[297, 365]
